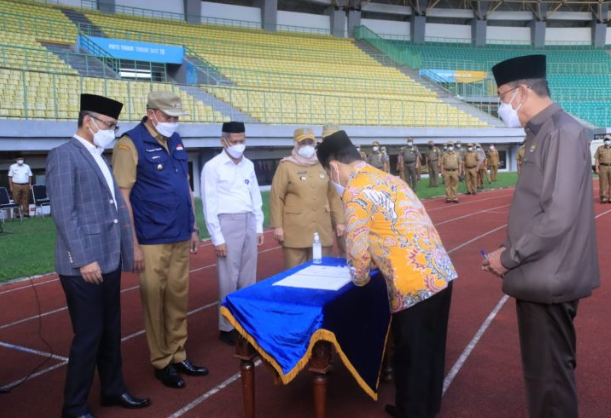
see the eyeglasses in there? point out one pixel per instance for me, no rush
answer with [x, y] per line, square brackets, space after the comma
[510, 90]
[109, 125]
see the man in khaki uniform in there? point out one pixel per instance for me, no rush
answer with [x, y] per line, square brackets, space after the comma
[302, 202]
[493, 162]
[451, 170]
[411, 163]
[520, 157]
[358, 148]
[603, 168]
[376, 159]
[471, 163]
[461, 153]
[386, 158]
[432, 160]
[150, 165]
[330, 129]
[482, 167]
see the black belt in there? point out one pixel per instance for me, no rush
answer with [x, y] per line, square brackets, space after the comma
[451, 169]
[473, 166]
[605, 164]
[21, 184]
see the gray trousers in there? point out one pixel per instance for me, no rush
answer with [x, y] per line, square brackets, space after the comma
[548, 344]
[411, 175]
[239, 268]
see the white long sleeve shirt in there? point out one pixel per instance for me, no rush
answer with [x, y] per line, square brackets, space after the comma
[229, 188]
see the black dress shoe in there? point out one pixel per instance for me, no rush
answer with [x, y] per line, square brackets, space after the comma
[87, 415]
[190, 369]
[169, 376]
[228, 337]
[125, 401]
[391, 410]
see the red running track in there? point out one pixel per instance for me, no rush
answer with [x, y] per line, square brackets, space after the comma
[483, 365]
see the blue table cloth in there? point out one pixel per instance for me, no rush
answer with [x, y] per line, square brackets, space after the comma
[284, 323]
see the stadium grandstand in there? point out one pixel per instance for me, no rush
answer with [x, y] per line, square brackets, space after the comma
[381, 70]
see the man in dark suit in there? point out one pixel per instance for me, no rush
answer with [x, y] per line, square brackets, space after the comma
[94, 243]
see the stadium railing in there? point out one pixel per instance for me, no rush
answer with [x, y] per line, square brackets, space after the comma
[399, 57]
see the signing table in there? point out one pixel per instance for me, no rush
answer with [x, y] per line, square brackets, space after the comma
[292, 324]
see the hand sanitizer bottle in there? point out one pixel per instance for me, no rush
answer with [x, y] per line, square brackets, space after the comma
[316, 250]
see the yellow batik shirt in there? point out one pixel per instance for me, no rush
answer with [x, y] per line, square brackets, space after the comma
[387, 224]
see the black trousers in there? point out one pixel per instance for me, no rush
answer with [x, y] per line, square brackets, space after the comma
[419, 357]
[95, 312]
[548, 344]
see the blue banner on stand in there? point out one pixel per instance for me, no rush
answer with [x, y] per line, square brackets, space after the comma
[135, 51]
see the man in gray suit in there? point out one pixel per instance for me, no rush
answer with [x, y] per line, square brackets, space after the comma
[94, 243]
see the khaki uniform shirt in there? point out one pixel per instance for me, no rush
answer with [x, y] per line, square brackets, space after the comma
[450, 160]
[125, 158]
[303, 201]
[551, 249]
[471, 159]
[433, 155]
[493, 157]
[410, 154]
[603, 155]
[376, 160]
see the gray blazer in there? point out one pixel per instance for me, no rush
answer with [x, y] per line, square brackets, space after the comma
[89, 226]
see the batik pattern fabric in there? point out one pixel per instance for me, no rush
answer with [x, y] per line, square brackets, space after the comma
[388, 227]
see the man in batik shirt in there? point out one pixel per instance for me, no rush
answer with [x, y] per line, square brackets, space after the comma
[387, 227]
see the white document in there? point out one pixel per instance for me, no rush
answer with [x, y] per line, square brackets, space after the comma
[318, 277]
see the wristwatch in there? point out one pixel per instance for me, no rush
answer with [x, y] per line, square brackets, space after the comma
[196, 230]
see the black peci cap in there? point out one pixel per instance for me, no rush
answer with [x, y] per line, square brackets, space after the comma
[102, 105]
[333, 144]
[234, 127]
[519, 68]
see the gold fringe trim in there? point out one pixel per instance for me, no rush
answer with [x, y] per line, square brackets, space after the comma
[319, 335]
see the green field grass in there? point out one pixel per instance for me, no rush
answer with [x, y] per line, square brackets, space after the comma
[27, 248]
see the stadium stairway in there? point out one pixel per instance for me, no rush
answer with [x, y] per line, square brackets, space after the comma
[83, 22]
[442, 94]
[220, 106]
[89, 67]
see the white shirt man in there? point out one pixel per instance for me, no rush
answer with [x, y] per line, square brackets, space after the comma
[234, 216]
[20, 181]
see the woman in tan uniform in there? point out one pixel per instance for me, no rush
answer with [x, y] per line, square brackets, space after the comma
[303, 201]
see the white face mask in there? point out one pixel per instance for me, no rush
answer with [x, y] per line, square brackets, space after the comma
[236, 151]
[166, 129]
[450, 148]
[509, 114]
[306, 151]
[607, 144]
[458, 145]
[375, 149]
[410, 144]
[102, 138]
[19, 162]
[338, 187]
[470, 149]
[478, 149]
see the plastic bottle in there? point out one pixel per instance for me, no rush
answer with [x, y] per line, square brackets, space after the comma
[316, 250]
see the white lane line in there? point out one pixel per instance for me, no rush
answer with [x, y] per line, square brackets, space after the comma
[469, 348]
[209, 394]
[32, 351]
[464, 244]
[470, 214]
[31, 318]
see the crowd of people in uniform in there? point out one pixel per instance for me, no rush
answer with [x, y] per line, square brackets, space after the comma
[139, 216]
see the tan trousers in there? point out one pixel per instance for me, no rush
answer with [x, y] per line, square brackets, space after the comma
[164, 287]
[21, 196]
[297, 256]
[493, 171]
[239, 268]
[604, 174]
[451, 181]
[471, 179]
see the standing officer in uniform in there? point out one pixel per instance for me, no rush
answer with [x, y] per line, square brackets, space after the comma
[520, 157]
[302, 201]
[461, 154]
[471, 163]
[411, 161]
[376, 159]
[451, 168]
[94, 243]
[386, 159]
[20, 183]
[603, 168]
[234, 217]
[493, 162]
[482, 167]
[432, 160]
[549, 260]
[150, 163]
[358, 148]
[330, 129]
